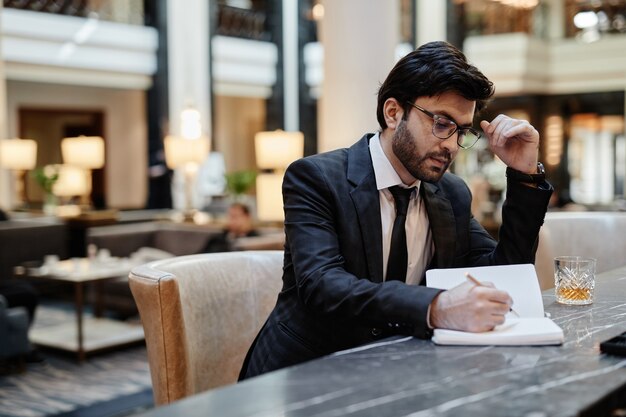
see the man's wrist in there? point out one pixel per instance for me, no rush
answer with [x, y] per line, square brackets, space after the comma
[430, 326]
[431, 313]
[525, 178]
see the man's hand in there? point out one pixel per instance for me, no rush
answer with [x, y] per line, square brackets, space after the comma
[470, 307]
[515, 142]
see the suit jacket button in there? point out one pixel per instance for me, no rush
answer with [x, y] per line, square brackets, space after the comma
[376, 332]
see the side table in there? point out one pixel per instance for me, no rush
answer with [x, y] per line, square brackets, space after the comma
[88, 334]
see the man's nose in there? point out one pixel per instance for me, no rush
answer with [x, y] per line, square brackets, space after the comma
[451, 144]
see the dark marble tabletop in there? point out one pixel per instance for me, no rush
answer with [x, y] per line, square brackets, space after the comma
[410, 377]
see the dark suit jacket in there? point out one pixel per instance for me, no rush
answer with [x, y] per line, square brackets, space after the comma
[333, 294]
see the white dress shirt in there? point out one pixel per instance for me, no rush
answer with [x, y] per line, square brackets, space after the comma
[418, 235]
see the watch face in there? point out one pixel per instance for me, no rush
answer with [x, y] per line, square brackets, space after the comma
[540, 168]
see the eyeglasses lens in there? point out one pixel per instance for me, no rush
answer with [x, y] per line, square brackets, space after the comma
[467, 139]
[443, 128]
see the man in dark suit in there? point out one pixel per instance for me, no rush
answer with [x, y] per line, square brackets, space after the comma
[342, 283]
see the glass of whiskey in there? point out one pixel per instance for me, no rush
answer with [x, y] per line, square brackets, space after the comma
[574, 279]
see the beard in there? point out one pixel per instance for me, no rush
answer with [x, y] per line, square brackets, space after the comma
[404, 146]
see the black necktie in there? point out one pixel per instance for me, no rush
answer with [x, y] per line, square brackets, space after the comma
[398, 258]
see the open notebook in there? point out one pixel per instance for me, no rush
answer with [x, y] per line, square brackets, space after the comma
[520, 281]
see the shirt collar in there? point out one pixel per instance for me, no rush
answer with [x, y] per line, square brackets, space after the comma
[386, 175]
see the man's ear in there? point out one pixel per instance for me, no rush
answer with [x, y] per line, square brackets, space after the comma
[393, 111]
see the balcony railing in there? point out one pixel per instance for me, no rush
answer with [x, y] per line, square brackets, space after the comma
[587, 20]
[127, 11]
[67, 7]
[242, 23]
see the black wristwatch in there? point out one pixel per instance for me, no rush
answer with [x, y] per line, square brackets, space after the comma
[520, 176]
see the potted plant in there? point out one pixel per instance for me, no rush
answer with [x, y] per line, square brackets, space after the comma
[239, 183]
[46, 177]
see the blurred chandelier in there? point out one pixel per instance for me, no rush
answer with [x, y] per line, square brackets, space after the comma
[520, 4]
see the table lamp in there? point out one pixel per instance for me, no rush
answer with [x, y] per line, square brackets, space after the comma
[83, 151]
[72, 182]
[274, 152]
[19, 155]
[187, 154]
[86, 153]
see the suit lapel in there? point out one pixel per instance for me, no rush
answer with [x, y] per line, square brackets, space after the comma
[365, 197]
[442, 224]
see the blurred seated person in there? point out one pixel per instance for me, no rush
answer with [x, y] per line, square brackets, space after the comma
[238, 224]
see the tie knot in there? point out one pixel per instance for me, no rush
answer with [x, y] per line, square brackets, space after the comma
[402, 196]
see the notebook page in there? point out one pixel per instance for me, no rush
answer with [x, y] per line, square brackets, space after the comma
[520, 281]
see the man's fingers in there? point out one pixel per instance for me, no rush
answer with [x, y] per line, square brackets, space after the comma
[500, 308]
[500, 296]
[504, 127]
[497, 301]
[484, 125]
[470, 307]
[498, 319]
[489, 292]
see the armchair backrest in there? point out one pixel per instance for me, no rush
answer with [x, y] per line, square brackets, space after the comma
[200, 314]
[600, 235]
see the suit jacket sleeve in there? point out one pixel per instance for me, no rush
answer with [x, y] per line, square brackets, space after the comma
[523, 213]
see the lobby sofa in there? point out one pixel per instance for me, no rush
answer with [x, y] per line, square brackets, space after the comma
[159, 239]
[30, 240]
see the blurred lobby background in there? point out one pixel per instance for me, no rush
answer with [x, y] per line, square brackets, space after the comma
[137, 117]
[133, 72]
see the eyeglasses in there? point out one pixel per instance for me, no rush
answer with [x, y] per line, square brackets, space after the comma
[443, 128]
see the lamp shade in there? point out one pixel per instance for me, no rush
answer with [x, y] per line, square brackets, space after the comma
[180, 151]
[269, 197]
[277, 149]
[73, 181]
[83, 151]
[18, 154]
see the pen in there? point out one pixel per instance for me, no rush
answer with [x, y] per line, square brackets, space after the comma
[480, 284]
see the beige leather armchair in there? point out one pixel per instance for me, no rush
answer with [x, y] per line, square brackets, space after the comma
[600, 235]
[200, 314]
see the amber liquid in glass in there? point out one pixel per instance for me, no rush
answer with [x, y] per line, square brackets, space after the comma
[574, 294]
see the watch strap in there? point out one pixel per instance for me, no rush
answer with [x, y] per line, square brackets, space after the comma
[519, 176]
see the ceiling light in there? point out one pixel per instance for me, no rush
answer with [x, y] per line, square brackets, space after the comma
[585, 20]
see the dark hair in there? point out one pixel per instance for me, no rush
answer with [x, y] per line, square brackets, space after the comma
[244, 208]
[432, 69]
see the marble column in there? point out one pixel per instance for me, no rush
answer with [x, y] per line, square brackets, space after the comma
[555, 20]
[290, 65]
[188, 53]
[189, 80]
[359, 46]
[431, 21]
[6, 186]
